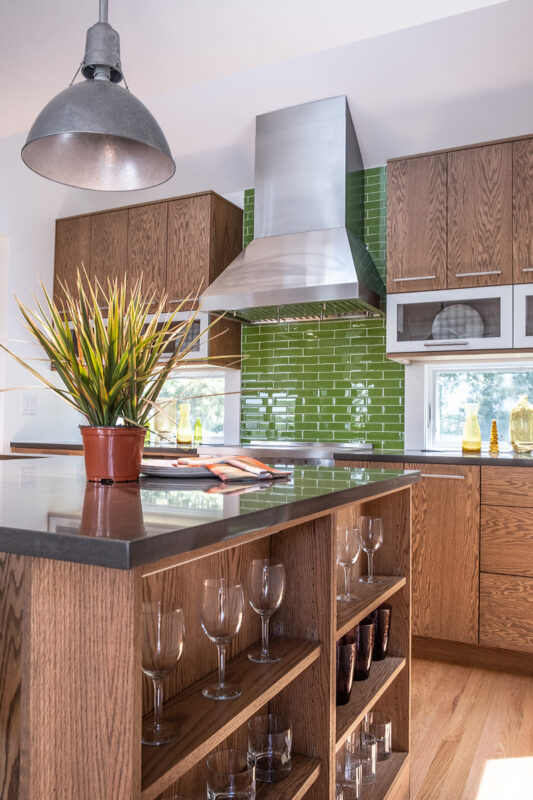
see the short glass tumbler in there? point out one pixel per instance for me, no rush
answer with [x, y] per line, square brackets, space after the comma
[382, 619]
[379, 725]
[270, 747]
[349, 774]
[230, 776]
[365, 646]
[364, 747]
[346, 654]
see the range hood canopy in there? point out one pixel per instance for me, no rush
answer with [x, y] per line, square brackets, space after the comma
[307, 259]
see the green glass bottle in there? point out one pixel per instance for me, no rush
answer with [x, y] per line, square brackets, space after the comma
[197, 437]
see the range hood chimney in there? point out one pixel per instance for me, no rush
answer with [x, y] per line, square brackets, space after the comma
[307, 259]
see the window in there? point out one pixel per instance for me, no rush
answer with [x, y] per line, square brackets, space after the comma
[495, 387]
[213, 395]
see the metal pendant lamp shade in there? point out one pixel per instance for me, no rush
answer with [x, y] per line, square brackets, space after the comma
[96, 134]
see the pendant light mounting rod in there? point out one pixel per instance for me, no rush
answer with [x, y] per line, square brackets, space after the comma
[102, 17]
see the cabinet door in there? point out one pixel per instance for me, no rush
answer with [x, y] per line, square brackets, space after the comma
[188, 246]
[147, 247]
[416, 219]
[109, 245]
[445, 518]
[72, 251]
[523, 211]
[480, 216]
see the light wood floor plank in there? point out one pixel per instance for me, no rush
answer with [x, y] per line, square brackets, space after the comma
[472, 733]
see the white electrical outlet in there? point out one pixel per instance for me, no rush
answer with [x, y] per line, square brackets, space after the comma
[28, 406]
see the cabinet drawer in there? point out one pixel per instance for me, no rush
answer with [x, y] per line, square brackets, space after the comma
[506, 612]
[507, 486]
[507, 540]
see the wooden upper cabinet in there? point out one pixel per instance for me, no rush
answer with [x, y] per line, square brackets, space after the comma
[147, 247]
[225, 236]
[109, 246]
[523, 211]
[72, 251]
[416, 220]
[480, 216]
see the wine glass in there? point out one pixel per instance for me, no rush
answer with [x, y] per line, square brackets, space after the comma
[222, 610]
[348, 549]
[163, 634]
[372, 536]
[266, 586]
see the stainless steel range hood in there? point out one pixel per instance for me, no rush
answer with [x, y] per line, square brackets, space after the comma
[307, 259]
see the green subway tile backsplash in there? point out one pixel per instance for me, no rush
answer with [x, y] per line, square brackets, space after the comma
[325, 380]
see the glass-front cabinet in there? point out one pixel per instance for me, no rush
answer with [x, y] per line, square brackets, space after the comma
[452, 320]
[523, 315]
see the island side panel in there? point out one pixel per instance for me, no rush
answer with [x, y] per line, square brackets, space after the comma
[81, 690]
[308, 610]
[12, 588]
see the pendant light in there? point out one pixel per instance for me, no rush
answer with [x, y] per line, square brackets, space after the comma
[95, 134]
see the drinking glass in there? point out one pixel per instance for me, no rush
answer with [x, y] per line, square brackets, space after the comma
[348, 549]
[372, 539]
[163, 634]
[230, 776]
[363, 746]
[346, 651]
[266, 586]
[270, 746]
[221, 613]
[349, 774]
[379, 725]
[365, 632]
[382, 618]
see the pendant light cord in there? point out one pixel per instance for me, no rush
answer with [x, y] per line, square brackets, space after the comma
[103, 11]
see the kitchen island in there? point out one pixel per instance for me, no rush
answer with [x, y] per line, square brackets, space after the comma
[76, 561]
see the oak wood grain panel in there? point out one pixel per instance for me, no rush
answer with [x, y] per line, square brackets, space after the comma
[507, 486]
[72, 251]
[446, 553]
[225, 236]
[188, 247]
[480, 215]
[370, 597]
[12, 593]
[304, 772]
[364, 695]
[308, 610]
[109, 246]
[416, 223]
[473, 655]
[204, 723]
[506, 612]
[225, 340]
[392, 779]
[506, 540]
[523, 211]
[81, 684]
[183, 586]
[147, 247]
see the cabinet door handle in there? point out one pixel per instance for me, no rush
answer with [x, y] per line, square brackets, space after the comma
[416, 278]
[527, 269]
[441, 343]
[447, 477]
[475, 274]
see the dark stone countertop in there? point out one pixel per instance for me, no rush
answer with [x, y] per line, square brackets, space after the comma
[510, 459]
[47, 509]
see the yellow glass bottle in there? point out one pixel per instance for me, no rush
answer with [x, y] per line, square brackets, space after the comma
[471, 430]
[184, 435]
[521, 426]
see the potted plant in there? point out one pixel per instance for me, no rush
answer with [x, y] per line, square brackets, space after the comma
[111, 369]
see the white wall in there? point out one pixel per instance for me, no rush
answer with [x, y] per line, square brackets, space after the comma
[29, 206]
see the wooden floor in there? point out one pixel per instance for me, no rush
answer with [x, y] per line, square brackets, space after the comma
[472, 734]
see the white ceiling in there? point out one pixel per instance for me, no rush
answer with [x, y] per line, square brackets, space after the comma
[418, 75]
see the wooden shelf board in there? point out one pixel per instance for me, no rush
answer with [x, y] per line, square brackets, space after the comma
[304, 772]
[372, 595]
[388, 773]
[204, 723]
[365, 694]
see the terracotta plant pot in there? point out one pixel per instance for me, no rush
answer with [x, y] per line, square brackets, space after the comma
[112, 453]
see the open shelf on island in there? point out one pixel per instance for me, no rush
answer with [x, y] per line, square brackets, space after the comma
[389, 773]
[304, 772]
[372, 595]
[365, 694]
[204, 724]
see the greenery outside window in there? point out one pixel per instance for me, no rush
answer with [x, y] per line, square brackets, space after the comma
[205, 391]
[496, 387]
